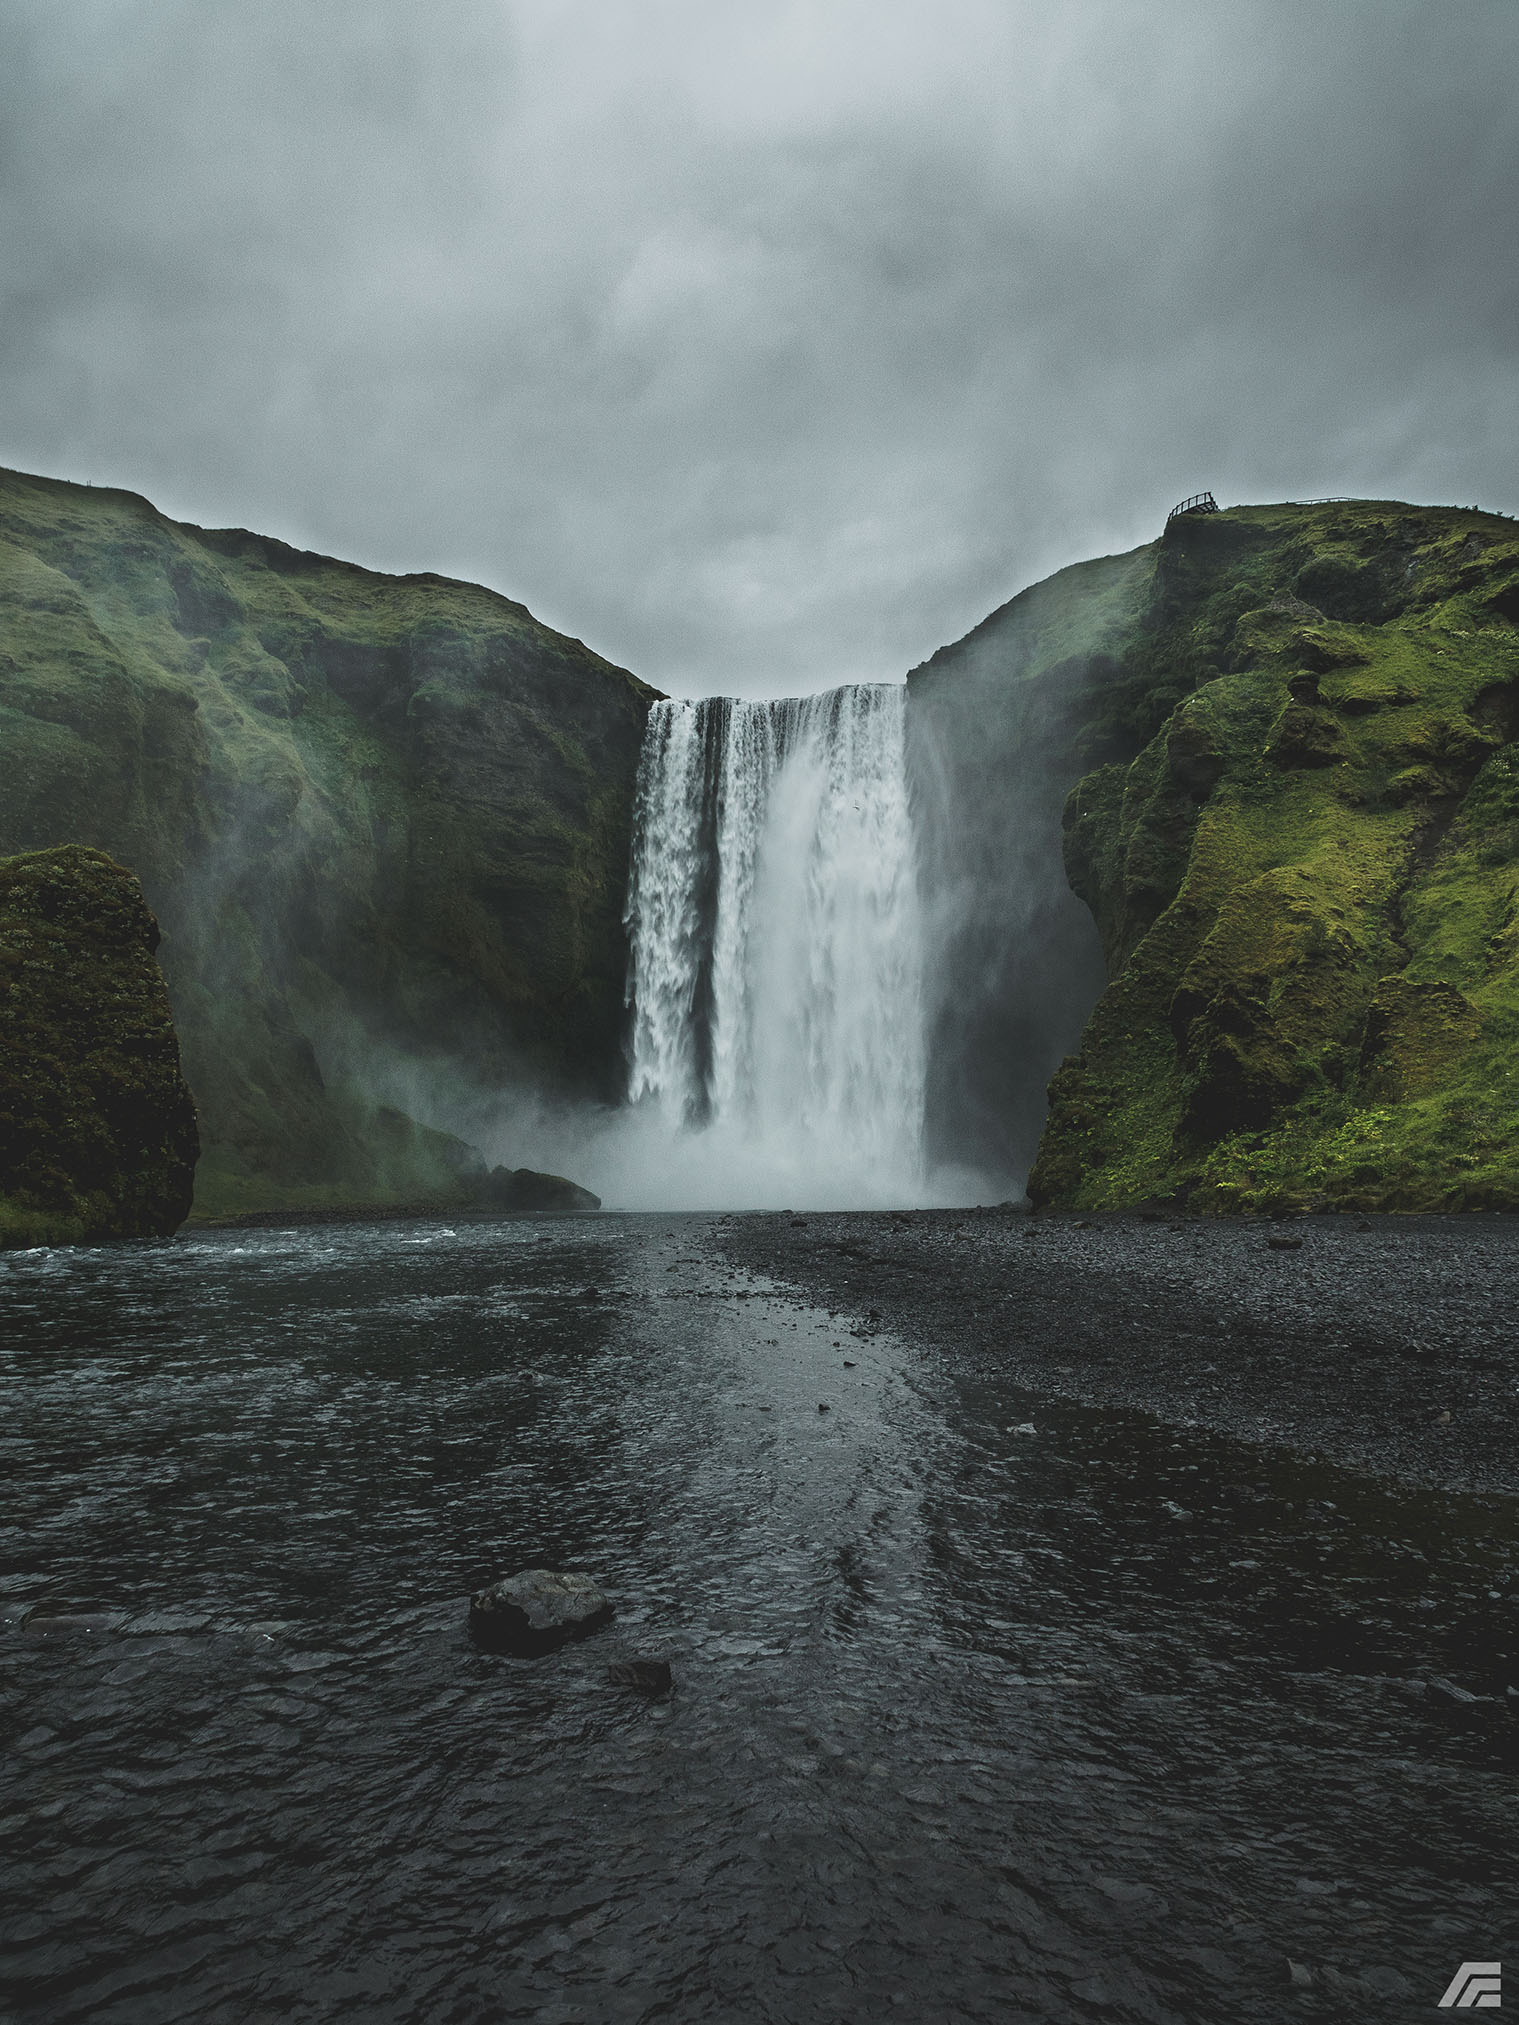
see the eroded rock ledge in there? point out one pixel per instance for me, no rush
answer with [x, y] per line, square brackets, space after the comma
[98, 1135]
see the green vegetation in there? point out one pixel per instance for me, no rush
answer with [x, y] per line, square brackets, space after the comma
[383, 822]
[97, 1130]
[1302, 854]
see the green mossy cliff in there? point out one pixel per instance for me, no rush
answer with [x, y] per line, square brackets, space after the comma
[1300, 844]
[383, 822]
[97, 1129]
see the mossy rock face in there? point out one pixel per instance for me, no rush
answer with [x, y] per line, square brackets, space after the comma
[98, 1134]
[383, 822]
[1305, 872]
[1413, 1039]
[1306, 736]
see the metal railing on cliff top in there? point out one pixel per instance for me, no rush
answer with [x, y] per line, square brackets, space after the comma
[1200, 502]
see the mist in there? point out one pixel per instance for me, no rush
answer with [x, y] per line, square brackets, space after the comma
[854, 960]
[777, 1031]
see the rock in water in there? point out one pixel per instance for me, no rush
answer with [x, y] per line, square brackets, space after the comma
[98, 1135]
[536, 1611]
[649, 1676]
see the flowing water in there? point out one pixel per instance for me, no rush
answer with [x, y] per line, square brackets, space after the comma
[985, 1709]
[776, 985]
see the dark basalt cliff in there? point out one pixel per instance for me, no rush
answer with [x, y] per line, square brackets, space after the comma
[1294, 816]
[97, 1129]
[382, 820]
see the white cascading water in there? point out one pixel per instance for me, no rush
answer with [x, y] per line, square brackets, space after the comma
[776, 984]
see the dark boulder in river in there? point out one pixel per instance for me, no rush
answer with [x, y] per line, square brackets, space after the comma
[536, 1611]
[648, 1676]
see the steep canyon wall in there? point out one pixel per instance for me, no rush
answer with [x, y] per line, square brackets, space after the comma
[382, 821]
[1287, 734]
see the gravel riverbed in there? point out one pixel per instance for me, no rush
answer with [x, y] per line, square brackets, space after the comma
[1386, 1343]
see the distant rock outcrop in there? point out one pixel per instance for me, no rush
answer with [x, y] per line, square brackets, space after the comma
[98, 1134]
[520, 1189]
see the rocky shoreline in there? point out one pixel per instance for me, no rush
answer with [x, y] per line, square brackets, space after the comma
[1385, 1343]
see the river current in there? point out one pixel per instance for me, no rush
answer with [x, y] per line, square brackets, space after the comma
[984, 1709]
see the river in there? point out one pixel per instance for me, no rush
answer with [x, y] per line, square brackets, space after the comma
[985, 1708]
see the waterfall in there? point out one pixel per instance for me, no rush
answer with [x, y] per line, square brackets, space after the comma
[776, 974]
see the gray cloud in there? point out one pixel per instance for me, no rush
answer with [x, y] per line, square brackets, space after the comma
[762, 348]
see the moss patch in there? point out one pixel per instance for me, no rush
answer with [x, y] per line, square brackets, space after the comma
[97, 1129]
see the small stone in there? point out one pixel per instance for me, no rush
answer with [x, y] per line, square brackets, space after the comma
[1300, 1977]
[822, 1406]
[1025, 1427]
[42, 1623]
[1285, 1244]
[649, 1676]
[1382, 1980]
[536, 1611]
[1214, 1963]
[849, 1364]
[1448, 1691]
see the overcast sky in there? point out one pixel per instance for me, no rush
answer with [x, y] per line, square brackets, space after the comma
[762, 346]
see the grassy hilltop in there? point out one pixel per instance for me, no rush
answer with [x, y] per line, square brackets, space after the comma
[1300, 844]
[381, 820]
